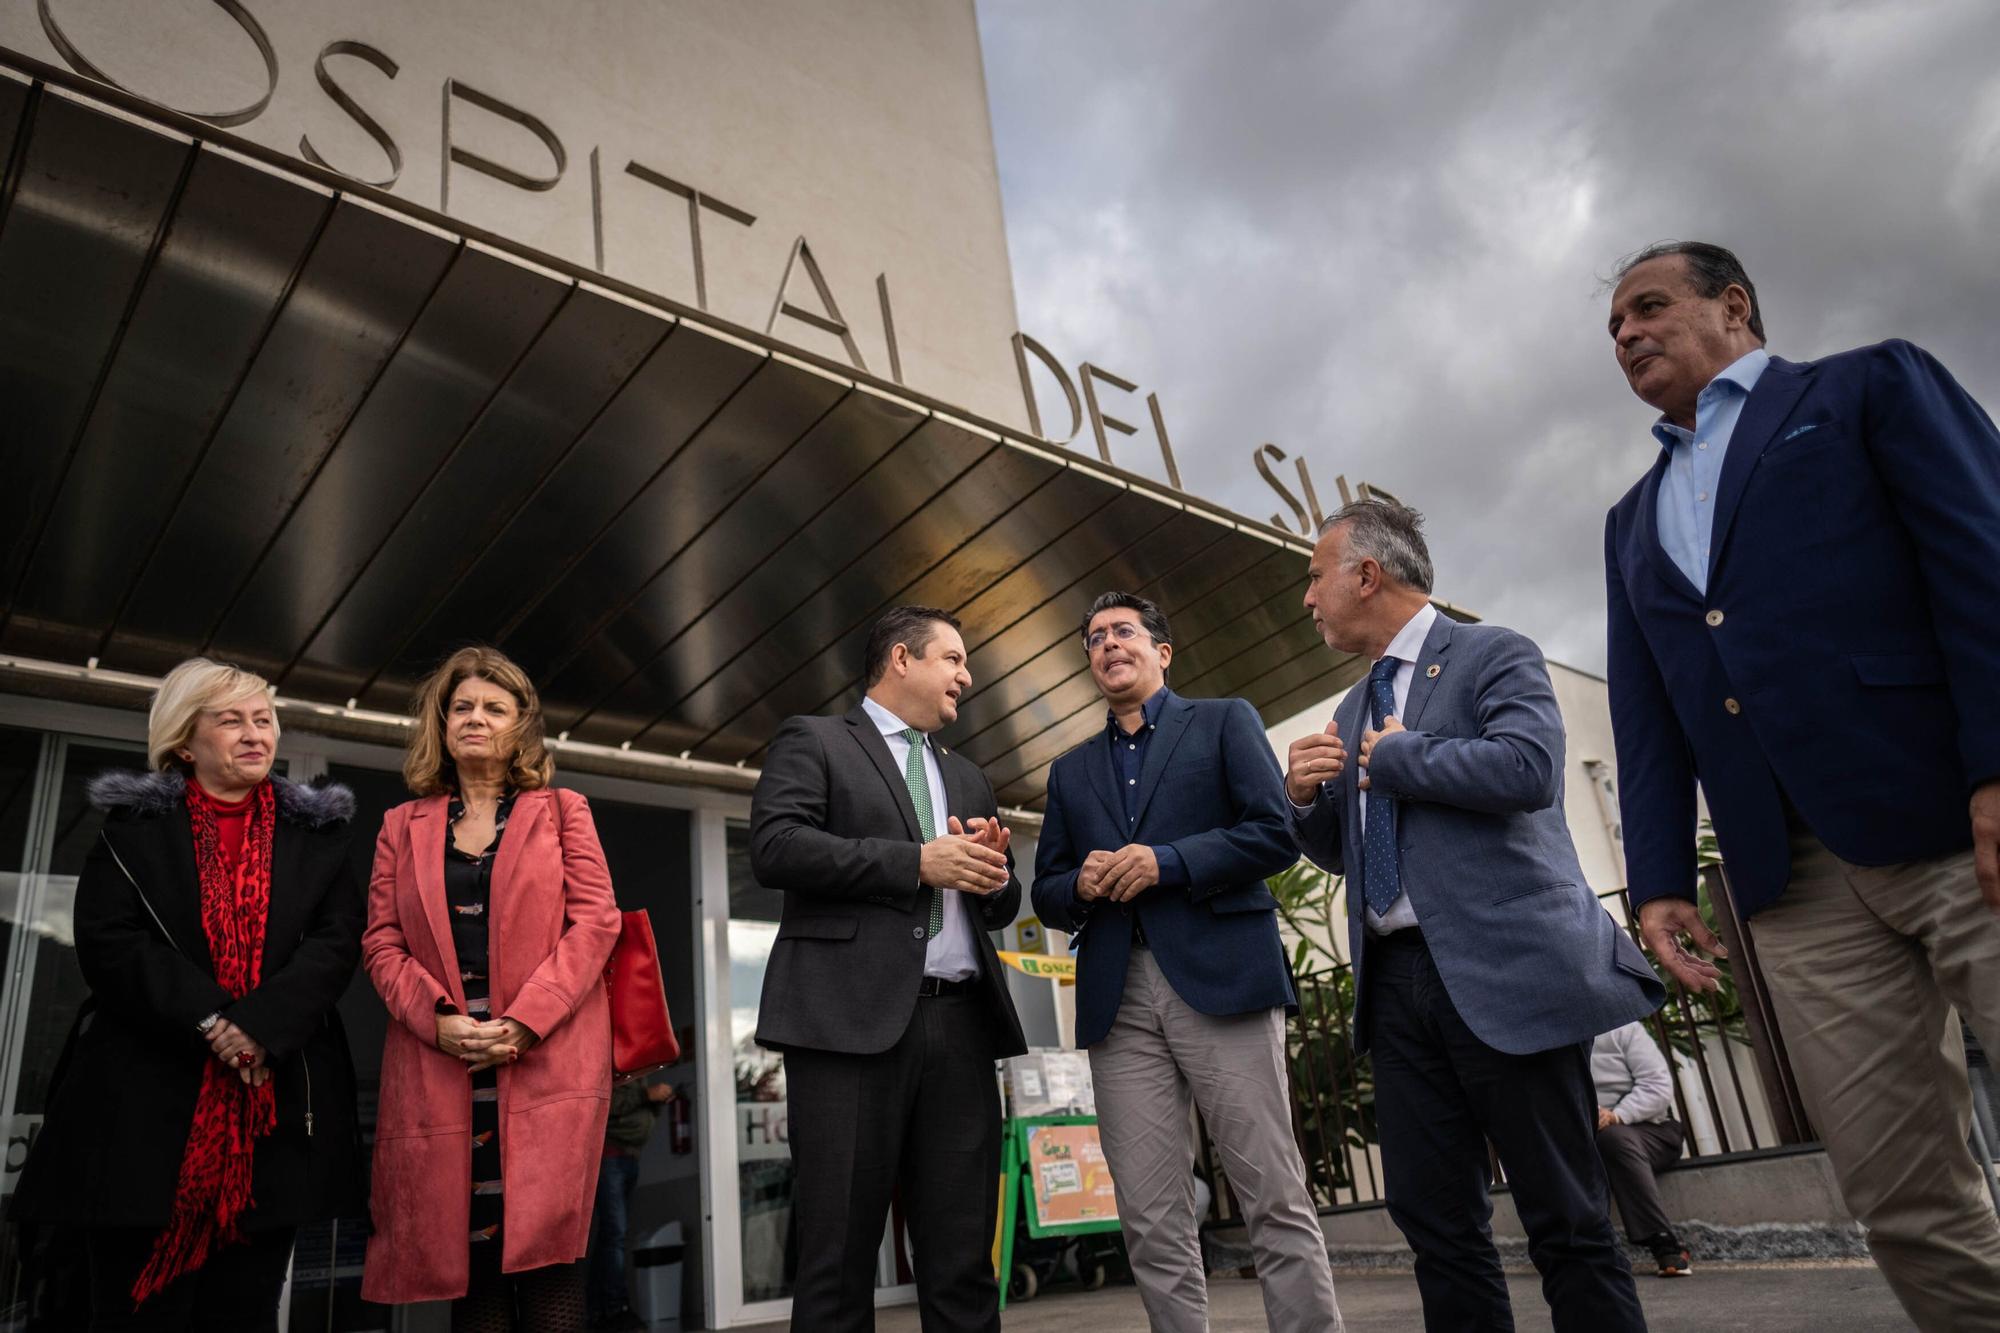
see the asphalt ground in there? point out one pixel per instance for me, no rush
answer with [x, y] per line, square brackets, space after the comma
[1822, 1296]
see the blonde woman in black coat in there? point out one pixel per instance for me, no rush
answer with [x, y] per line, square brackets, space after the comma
[204, 1105]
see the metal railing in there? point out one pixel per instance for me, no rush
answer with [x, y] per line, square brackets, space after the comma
[1734, 1088]
[1723, 1086]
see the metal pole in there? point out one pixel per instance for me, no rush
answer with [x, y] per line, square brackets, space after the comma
[1979, 1078]
[1354, 1090]
[1657, 1019]
[1979, 1144]
[1767, 1042]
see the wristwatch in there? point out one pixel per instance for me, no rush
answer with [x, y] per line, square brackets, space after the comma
[207, 1025]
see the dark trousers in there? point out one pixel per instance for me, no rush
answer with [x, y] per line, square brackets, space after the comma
[608, 1293]
[922, 1117]
[1631, 1154]
[236, 1291]
[1440, 1095]
[548, 1299]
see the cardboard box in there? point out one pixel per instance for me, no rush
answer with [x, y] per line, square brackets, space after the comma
[1048, 1081]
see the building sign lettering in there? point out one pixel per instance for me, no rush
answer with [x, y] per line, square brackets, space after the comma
[542, 165]
[522, 150]
[1080, 397]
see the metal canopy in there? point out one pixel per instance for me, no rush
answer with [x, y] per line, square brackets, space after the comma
[253, 412]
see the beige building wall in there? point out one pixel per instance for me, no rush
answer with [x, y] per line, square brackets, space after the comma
[862, 128]
[1590, 769]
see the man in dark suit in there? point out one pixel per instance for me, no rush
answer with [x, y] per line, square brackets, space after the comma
[1484, 964]
[1158, 833]
[883, 989]
[1803, 590]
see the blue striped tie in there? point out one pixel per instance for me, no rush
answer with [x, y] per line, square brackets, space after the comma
[1382, 878]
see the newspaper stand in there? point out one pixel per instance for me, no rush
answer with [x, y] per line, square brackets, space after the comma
[1053, 1185]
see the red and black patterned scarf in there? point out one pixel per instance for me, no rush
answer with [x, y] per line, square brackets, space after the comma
[229, 1115]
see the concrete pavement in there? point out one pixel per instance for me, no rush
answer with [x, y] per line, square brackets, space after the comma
[1825, 1297]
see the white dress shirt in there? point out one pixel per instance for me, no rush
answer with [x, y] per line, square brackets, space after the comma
[1406, 647]
[951, 955]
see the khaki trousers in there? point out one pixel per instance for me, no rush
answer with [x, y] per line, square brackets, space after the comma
[1865, 965]
[1158, 1052]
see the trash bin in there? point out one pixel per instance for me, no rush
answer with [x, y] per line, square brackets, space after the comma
[656, 1278]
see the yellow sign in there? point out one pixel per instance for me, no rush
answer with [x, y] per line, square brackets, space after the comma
[1046, 966]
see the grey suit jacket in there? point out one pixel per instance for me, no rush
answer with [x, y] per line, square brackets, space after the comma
[1529, 957]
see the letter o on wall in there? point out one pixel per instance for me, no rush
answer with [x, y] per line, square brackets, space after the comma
[242, 115]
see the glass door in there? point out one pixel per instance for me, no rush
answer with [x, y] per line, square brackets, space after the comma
[47, 826]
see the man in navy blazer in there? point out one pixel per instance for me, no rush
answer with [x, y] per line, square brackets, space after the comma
[1156, 840]
[1803, 592]
[1484, 965]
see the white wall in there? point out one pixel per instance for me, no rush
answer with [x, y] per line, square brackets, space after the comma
[1588, 753]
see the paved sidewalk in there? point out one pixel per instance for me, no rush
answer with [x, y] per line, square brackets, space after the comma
[1825, 1297]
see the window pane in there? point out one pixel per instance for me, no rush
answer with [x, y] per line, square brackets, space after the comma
[58, 990]
[763, 1161]
[46, 831]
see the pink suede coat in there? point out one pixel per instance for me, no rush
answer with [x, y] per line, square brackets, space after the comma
[554, 921]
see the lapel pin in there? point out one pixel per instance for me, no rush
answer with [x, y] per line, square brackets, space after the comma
[1432, 670]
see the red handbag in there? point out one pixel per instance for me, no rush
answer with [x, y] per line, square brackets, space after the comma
[642, 1032]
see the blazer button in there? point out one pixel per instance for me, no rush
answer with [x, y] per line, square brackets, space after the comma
[1714, 618]
[917, 932]
[1731, 706]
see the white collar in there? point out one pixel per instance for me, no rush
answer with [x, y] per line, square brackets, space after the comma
[1741, 374]
[1408, 645]
[885, 721]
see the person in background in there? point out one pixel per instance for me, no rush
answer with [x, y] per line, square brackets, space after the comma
[1636, 1136]
[490, 917]
[635, 1107]
[204, 1106]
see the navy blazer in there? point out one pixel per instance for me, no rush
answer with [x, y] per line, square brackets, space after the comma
[1845, 656]
[1211, 788]
[1529, 957]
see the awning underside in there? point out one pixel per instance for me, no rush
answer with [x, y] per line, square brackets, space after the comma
[252, 417]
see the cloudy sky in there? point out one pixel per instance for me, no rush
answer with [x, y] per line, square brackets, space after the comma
[1373, 232]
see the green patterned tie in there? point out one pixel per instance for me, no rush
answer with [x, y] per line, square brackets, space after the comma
[920, 797]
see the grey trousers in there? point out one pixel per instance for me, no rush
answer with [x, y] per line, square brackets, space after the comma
[1158, 1053]
[1865, 965]
[1631, 1154]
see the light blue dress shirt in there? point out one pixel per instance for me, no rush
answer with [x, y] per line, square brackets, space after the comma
[1694, 464]
[951, 954]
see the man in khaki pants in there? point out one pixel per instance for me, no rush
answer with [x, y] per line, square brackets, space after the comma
[1155, 843]
[1804, 590]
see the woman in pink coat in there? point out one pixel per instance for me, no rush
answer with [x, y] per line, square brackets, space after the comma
[490, 917]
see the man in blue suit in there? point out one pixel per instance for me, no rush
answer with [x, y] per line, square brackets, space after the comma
[1483, 963]
[1803, 595]
[1157, 836]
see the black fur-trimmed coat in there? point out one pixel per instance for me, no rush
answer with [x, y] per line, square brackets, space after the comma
[123, 1093]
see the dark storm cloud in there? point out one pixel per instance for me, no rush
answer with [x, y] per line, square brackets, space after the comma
[1373, 232]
